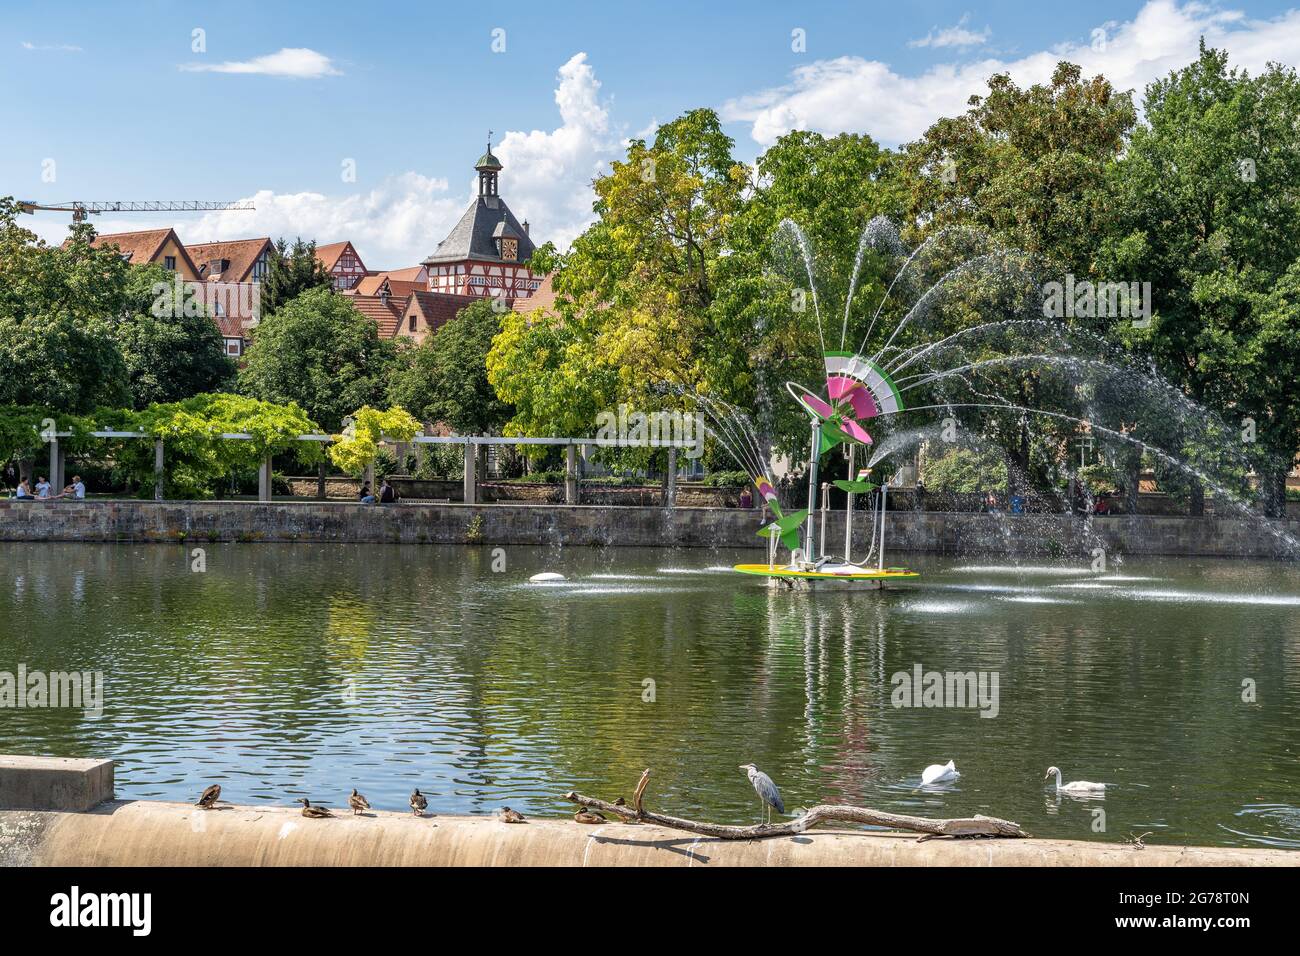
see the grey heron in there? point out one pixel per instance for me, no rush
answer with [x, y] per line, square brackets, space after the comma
[766, 790]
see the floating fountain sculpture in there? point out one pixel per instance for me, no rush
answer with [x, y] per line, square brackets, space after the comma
[860, 386]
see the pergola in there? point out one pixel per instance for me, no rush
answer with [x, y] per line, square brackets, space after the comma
[469, 442]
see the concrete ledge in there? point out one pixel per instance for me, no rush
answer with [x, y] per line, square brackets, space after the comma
[54, 783]
[145, 833]
[198, 522]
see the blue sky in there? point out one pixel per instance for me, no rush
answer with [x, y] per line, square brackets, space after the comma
[285, 94]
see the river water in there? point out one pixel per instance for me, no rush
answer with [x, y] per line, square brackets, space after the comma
[289, 670]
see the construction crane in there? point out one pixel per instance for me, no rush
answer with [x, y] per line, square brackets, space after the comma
[83, 210]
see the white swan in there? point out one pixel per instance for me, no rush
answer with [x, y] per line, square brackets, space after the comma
[939, 773]
[1074, 786]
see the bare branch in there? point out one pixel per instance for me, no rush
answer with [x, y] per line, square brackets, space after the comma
[977, 825]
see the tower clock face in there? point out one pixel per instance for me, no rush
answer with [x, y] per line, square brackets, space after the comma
[509, 249]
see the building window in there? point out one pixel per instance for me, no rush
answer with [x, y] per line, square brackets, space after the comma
[234, 346]
[411, 325]
[169, 262]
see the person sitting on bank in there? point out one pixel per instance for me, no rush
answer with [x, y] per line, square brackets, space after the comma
[367, 498]
[387, 493]
[77, 489]
[746, 499]
[24, 491]
[43, 488]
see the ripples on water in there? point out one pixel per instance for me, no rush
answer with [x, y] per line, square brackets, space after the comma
[291, 670]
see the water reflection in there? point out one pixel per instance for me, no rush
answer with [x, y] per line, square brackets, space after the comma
[285, 670]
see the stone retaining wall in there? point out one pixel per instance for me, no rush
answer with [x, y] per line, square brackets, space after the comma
[145, 833]
[593, 525]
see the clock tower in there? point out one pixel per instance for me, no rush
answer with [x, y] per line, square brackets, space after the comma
[488, 251]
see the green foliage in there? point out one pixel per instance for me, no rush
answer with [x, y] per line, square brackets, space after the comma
[727, 479]
[358, 446]
[964, 470]
[445, 378]
[1099, 479]
[291, 271]
[1210, 216]
[197, 459]
[321, 354]
[171, 349]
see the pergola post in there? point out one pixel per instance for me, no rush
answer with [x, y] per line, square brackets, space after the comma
[670, 485]
[471, 477]
[157, 469]
[264, 480]
[571, 475]
[54, 464]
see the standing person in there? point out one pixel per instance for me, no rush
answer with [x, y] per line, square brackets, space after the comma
[387, 493]
[43, 488]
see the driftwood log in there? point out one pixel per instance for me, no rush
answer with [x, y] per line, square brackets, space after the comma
[976, 826]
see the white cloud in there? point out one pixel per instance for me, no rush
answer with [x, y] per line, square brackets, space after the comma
[51, 47]
[857, 95]
[398, 223]
[296, 62]
[956, 36]
[548, 174]
[393, 225]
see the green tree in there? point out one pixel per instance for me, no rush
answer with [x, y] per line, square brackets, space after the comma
[1026, 167]
[445, 378]
[831, 187]
[172, 349]
[1211, 218]
[634, 289]
[291, 271]
[321, 354]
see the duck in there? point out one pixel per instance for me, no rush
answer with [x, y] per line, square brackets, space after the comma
[419, 803]
[358, 802]
[506, 815]
[208, 799]
[939, 773]
[1074, 786]
[588, 815]
[316, 813]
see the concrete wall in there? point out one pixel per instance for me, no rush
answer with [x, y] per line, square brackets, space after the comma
[588, 525]
[169, 834]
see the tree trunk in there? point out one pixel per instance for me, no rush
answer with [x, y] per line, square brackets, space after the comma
[320, 481]
[977, 825]
[1196, 507]
[1133, 486]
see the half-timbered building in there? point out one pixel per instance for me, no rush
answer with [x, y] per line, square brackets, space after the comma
[488, 251]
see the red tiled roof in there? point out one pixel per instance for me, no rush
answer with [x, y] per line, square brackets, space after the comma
[543, 298]
[407, 275]
[329, 255]
[371, 284]
[438, 308]
[140, 248]
[384, 311]
[241, 253]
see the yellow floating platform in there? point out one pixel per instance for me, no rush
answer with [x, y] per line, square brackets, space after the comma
[839, 573]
